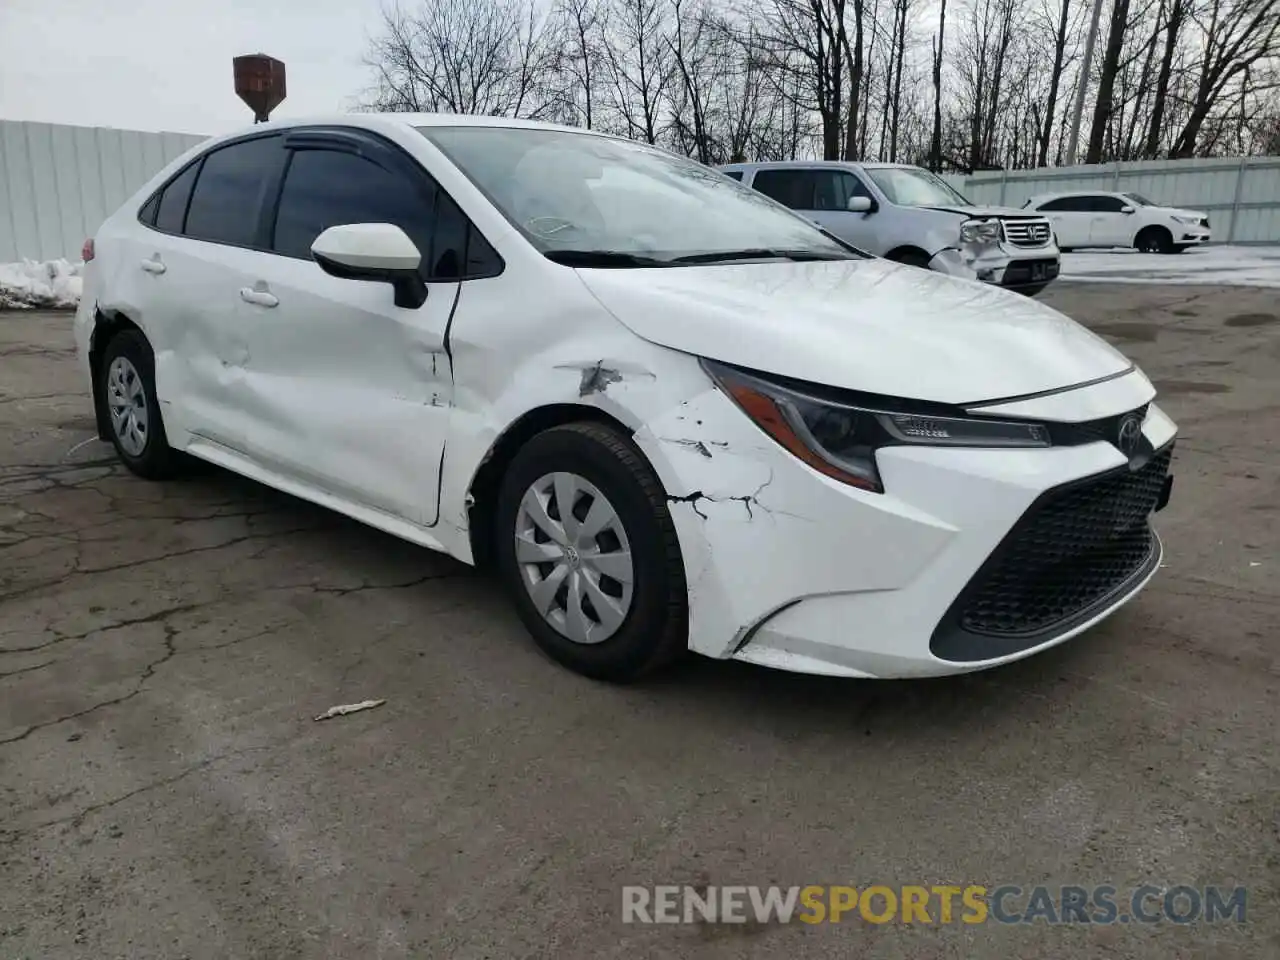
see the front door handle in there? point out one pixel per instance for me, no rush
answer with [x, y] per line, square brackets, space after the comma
[154, 265]
[260, 297]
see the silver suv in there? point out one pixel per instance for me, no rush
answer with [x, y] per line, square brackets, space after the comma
[908, 214]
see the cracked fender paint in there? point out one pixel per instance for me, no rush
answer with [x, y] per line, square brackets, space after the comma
[732, 491]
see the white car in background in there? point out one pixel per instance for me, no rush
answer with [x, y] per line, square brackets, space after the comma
[1099, 218]
[676, 415]
[910, 215]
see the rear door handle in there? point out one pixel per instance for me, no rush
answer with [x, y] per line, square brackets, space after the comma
[154, 266]
[261, 297]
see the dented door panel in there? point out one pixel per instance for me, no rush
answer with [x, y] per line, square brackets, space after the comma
[343, 390]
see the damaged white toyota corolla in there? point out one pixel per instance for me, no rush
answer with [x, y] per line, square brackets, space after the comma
[675, 414]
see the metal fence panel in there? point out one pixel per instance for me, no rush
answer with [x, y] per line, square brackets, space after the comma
[58, 183]
[1241, 195]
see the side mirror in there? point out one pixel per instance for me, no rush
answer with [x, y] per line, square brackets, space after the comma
[1126, 209]
[859, 205]
[380, 252]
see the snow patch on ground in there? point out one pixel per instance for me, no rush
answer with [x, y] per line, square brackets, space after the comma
[1245, 266]
[30, 284]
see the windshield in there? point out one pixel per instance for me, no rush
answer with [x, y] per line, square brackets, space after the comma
[1140, 200]
[915, 187]
[589, 200]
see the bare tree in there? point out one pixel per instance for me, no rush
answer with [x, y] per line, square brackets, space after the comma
[462, 56]
[935, 144]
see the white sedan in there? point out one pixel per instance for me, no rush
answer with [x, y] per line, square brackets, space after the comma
[674, 414]
[1106, 219]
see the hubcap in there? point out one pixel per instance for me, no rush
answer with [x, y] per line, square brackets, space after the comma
[574, 557]
[127, 401]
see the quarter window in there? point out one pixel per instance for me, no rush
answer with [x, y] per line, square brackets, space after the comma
[227, 200]
[173, 202]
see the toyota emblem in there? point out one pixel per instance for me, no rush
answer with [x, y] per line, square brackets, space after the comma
[1128, 435]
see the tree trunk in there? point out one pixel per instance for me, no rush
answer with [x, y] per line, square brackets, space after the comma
[1055, 79]
[1107, 82]
[935, 142]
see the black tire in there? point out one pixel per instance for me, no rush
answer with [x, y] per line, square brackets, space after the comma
[1154, 240]
[655, 630]
[912, 258]
[157, 460]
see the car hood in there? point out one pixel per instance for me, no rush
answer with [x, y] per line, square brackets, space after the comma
[1180, 212]
[989, 212]
[869, 325]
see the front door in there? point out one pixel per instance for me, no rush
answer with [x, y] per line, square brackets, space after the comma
[345, 390]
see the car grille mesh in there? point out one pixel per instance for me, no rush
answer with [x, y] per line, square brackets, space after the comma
[1075, 548]
[1027, 233]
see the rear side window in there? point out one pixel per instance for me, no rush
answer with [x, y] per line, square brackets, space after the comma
[172, 210]
[227, 200]
[326, 188]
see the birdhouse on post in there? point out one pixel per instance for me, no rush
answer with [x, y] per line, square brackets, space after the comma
[259, 83]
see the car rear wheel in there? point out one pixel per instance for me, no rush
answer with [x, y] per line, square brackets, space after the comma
[1154, 240]
[586, 545]
[127, 382]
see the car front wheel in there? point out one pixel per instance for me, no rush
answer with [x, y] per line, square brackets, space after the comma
[1154, 240]
[587, 547]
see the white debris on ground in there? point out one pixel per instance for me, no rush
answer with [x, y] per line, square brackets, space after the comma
[30, 284]
[1246, 266]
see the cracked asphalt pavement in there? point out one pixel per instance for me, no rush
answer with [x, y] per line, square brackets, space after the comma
[165, 793]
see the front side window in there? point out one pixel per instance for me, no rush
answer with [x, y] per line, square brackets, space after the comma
[733, 174]
[1106, 204]
[1140, 200]
[916, 187]
[327, 188]
[227, 200]
[571, 193]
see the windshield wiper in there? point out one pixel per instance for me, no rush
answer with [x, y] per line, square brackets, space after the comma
[758, 253]
[602, 258]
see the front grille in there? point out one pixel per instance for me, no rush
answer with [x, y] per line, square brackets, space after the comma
[1027, 233]
[1074, 549]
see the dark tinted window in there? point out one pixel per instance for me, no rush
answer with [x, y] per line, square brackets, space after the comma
[173, 201]
[735, 174]
[1106, 204]
[810, 189]
[791, 188]
[226, 202]
[325, 188]
[148, 212]
[1066, 205]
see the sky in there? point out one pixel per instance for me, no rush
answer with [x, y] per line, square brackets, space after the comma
[166, 64]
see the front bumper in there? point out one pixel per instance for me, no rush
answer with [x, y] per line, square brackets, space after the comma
[1011, 267]
[789, 569]
[1191, 236]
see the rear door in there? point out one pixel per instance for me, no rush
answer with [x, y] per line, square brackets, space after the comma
[207, 239]
[345, 390]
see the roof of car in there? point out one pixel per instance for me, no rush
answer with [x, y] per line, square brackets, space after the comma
[415, 120]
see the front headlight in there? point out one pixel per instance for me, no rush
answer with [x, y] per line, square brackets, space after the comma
[1188, 220]
[980, 231]
[839, 439]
